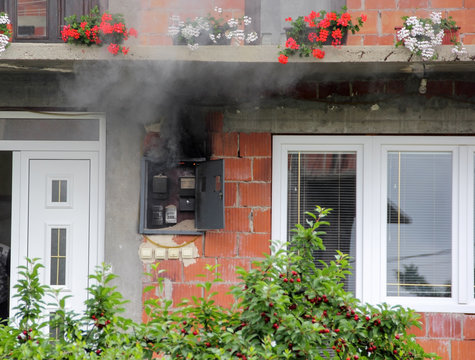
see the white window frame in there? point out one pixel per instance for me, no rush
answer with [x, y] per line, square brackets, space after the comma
[371, 204]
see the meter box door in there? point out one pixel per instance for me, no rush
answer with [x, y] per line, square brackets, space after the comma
[210, 195]
[191, 190]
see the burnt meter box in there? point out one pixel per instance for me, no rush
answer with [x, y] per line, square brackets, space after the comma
[193, 189]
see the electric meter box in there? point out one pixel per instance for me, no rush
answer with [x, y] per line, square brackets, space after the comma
[191, 190]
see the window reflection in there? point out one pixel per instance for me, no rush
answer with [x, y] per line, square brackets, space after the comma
[419, 224]
[32, 18]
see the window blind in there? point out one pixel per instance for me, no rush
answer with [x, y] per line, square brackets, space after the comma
[327, 179]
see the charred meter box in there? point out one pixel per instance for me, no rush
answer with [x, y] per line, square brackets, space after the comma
[187, 198]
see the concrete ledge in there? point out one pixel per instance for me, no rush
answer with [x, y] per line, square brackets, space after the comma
[60, 57]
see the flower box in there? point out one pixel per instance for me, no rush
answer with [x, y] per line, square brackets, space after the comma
[308, 31]
[449, 35]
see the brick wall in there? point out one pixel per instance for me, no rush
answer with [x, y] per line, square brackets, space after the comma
[154, 15]
[385, 15]
[248, 225]
[246, 235]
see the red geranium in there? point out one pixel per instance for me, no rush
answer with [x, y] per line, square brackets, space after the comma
[97, 28]
[319, 54]
[309, 33]
[283, 59]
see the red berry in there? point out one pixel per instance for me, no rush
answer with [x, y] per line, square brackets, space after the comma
[291, 280]
[337, 330]
[397, 336]
[184, 322]
[271, 304]
[367, 318]
[281, 276]
[195, 332]
[183, 331]
[276, 326]
[356, 357]
[356, 318]
[286, 280]
[208, 344]
[395, 351]
[298, 280]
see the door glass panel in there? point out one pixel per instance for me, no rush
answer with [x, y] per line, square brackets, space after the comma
[32, 18]
[49, 129]
[59, 191]
[327, 179]
[58, 256]
[419, 229]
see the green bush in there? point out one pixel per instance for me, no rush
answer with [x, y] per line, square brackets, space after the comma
[286, 308]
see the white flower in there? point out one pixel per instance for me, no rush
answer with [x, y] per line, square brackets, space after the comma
[436, 17]
[193, 47]
[247, 20]
[233, 22]
[251, 37]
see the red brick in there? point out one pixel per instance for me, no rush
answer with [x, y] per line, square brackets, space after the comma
[255, 144]
[464, 19]
[440, 347]
[153, 21]
[331, 88]
[238, 169]
[224, 144]
[353, 4]
[305, 90]
[228, 267]
[192, 271]
[154, 39]
[440, 325]
[391, 19]
[465, 88]
[197, 240]
[446, 4]
[463, 350]
[237, 219]
[371, 24]
[223, 297]
[354, 40]
[422, 332]
[261, 220]
[164, 4]
[254, 245]
[182, 291]
[219, 244]
[469, 4]
[230, 4]
[380, 40]
[214, 121]
[395, 87]
[367, 87]
[173, 270]
[469, 327]
[262, 169]
[413, 4]
[468, 39]
[255, 194]
[380, 4]
[230, 194]
[439, 88]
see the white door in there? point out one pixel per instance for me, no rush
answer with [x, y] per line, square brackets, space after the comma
[59, 202]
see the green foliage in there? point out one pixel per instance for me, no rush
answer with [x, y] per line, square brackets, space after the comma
[287, 307]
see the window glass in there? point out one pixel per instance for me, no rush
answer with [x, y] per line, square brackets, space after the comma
[419, 224]
[327, 179]
[58, 256]
[32, 15]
